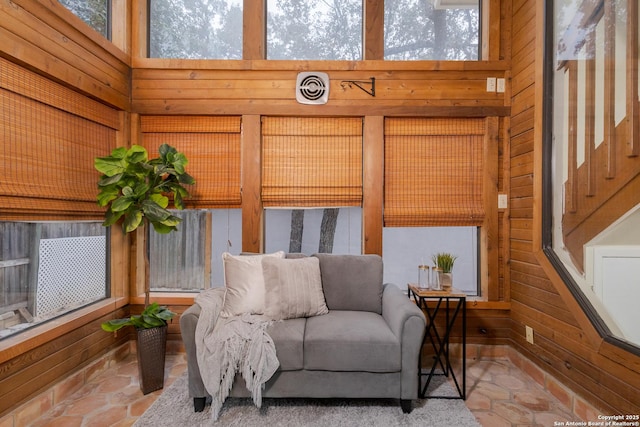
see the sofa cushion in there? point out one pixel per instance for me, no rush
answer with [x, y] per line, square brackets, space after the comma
[351, 341]
[293, 288]
[352, 282]
[288, 336]
[244, 283]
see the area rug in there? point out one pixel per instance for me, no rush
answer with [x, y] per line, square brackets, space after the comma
[174, 407]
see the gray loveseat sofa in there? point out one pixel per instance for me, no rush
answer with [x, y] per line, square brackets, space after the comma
[367, 346]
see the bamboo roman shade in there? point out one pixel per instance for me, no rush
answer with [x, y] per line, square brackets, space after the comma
[212, 146]
[433, 172]
[50, 137]
[311, 162]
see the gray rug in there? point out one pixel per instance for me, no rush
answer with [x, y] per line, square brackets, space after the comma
[174, 407]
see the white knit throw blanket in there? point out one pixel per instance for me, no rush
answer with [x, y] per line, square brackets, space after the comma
[225, 346]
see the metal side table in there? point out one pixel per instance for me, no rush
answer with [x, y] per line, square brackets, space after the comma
[447, 300]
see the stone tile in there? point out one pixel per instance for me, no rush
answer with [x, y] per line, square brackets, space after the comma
[531, 369]
[69, 386]
[64, 421]
[492, 391]
[584, 410]
[549, 418]
[34, 409]
[509, 382]
[7, 421]
[491, 419]
[513, 412]
[535, 400]
[559, 391]
[138, 407]
[87, 404]
[114, 383]
[108, 417]
[477, 401]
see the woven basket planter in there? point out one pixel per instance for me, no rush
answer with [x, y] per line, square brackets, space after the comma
[151, 351]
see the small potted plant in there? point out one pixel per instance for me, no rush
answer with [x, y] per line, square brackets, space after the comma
[137, 191]
[444, 265]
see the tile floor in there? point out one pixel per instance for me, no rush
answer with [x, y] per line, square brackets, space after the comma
[500, 393]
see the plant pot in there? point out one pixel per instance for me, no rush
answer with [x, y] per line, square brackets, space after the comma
[151, 349]
[446, 280]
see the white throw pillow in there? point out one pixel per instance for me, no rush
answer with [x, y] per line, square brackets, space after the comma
[245, 284]
[293, 288]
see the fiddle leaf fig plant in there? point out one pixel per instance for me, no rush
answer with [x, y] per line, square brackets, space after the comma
[153, 315]
[138, 191]
[136, 188]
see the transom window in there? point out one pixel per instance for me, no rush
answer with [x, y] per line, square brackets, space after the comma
[310, 29]
[209, 29]
[431, 30]
[95, 13]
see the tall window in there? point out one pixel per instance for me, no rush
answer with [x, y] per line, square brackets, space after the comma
[311, 29]
[96, 13]
[53, 249]
[195, 29]
[592, 214]
[431, 30]
[190, 259]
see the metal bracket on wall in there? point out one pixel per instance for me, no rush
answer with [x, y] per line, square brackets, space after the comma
[359, 83]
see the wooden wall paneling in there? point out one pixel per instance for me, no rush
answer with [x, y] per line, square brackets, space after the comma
[121, 25]
[505, 29]
[254, 30]
[490, 234]
[139, 30]
[252, 211]
[373, 30]
[373, 179]
[491, 26]
[39, 38]
[505, 223]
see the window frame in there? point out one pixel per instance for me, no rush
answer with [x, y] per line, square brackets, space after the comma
[547, 187]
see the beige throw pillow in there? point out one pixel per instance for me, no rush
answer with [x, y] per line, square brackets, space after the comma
[293, 288]
[245, 292]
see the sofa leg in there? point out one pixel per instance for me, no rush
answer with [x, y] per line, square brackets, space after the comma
[405, 404]
[198, 403]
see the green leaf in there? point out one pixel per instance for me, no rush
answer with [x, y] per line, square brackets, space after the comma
[132, 221]
[111, 217]
[106, 195]
[185, 178]
[160, 228]
[137, 154]
[154, 212]
[109, 180]
[115, 324]
[121, 204]
[109, 166]
[160, 199]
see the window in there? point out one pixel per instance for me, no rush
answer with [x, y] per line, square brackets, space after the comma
[405, 248]
[95, 13]
[592, 214]
[308, 231]
[53, 251]
[188, 29]
[190, 259]
[431, 30]
[48, 269]
[309, 29]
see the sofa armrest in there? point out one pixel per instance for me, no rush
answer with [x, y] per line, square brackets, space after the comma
[408, 323]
